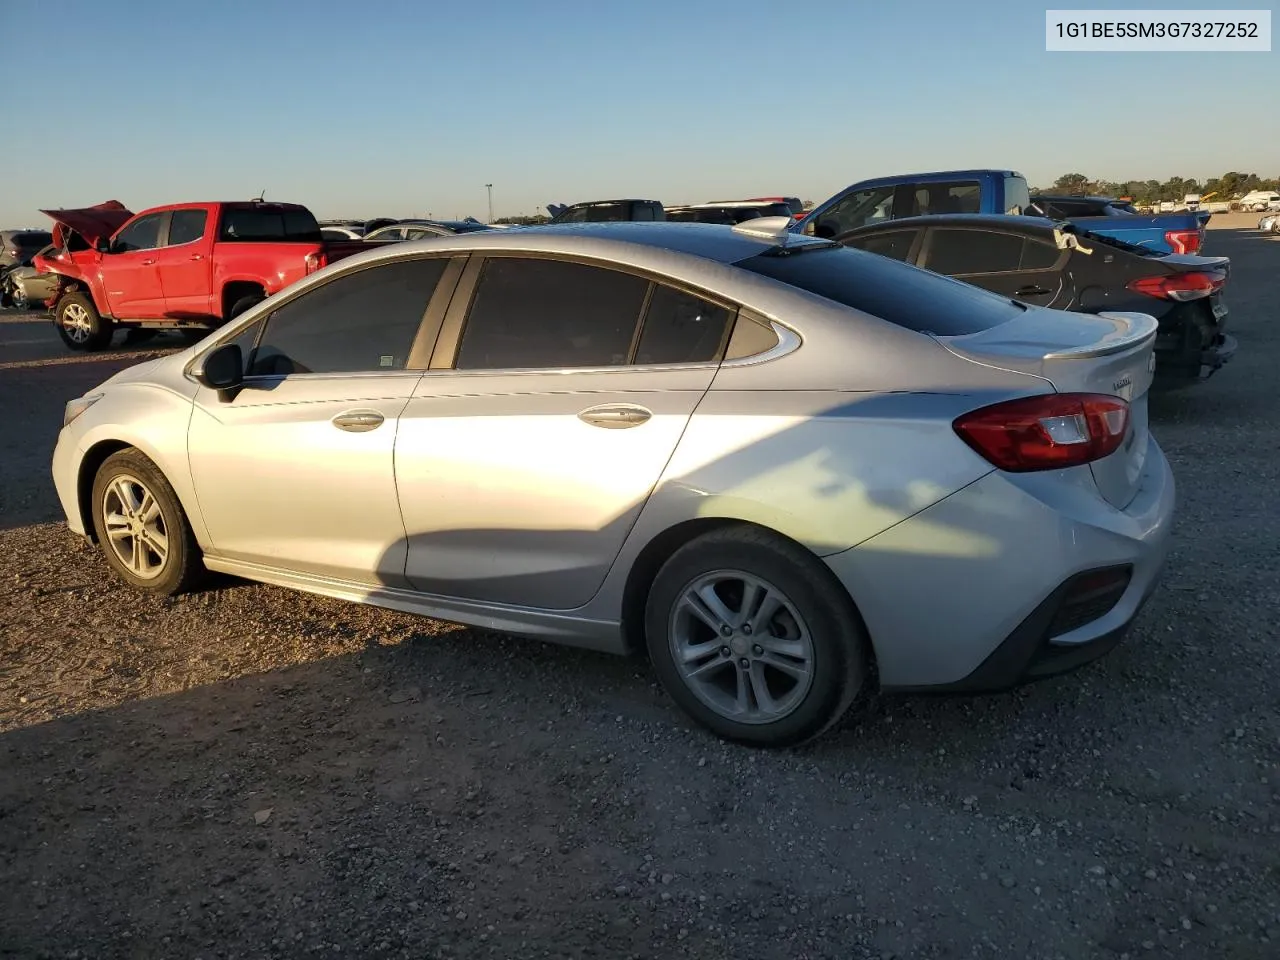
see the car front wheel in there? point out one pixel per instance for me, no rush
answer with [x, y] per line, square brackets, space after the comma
[755, 638]
[141, 526]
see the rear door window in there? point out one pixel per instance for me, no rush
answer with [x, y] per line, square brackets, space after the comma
[956, 252]
[895, 244]
[896, 292]
[534, 313]
[680, 327]
[266, 224]
[959, 196]
[186, 226]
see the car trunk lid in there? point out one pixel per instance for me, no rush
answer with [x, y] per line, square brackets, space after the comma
[1105, 353]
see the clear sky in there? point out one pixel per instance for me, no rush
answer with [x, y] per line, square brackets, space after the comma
[409, 107]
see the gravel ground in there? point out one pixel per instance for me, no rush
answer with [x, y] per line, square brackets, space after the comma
[249, 772]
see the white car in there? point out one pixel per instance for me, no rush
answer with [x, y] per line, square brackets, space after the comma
[1260, 200]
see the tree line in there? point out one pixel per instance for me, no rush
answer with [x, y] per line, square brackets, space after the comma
[1229, 186]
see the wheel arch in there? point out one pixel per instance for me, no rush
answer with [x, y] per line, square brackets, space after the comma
[235, 289]
[662, 546]
[92, 462]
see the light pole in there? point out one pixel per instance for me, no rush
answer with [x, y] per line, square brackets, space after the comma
[489, 187]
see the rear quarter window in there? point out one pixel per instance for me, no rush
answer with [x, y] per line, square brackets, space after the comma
[899, 293]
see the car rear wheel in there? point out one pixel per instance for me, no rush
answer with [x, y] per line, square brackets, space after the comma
[755, 638]
[141, 526]
[243, 304]
[80, 325]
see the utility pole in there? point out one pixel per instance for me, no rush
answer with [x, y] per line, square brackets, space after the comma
[489, 187]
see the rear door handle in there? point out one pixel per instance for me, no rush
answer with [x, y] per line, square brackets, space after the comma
[147, 263]
[615, 416]
[197, 256]
[358, 421]
[1031, 291]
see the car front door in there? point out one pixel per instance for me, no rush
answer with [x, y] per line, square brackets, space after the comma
[1019, 266]
[186, 271]
[130, 274]
[295, 472]
[558, 393]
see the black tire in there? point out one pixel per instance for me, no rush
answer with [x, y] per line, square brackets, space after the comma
[243, 304]
[841, 665]
[94, 331]
[182, 566]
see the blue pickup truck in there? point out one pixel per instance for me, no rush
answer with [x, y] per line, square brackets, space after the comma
[987, 191]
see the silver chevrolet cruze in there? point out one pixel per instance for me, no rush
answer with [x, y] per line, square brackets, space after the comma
[792, 472]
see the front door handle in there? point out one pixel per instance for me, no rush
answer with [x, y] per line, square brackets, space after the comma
[615, 416]
[148, 262]
[358, 421]
[1031, 291]
[197, 256]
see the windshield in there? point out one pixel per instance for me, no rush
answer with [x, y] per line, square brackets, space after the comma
[908, 296]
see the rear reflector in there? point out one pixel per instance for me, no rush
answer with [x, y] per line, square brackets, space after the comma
[1179, 286]
[1183, 241]
[1048, 432]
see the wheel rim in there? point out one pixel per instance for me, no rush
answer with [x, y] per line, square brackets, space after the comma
[741, 647]
[135, 527]
[75, 320]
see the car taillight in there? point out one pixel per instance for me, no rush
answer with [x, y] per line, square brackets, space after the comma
[1183, 241]
[316, 261]
[1046, 432]
[1179, 286]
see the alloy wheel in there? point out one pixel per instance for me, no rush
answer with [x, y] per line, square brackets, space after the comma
[741, 646]
[135, 527]
[76, 322]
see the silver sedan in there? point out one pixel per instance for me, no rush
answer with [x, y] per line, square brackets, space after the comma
[791, 472]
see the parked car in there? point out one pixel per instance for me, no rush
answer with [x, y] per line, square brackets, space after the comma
[423, 229]
[606, 211]
[1065, 267]
[984, 191]
[790, 470]
[794, 204]
[341, 230]
[190, 266]
[1269, 222]
[734, 211]
[1259, 200]
[17, 247]
[25, 287]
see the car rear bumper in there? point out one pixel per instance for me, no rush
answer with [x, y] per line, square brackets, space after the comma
[970, 593]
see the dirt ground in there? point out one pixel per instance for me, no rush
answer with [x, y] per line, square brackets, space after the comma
[249, 772]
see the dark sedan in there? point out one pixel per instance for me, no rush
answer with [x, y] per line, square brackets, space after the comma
[1055, 264]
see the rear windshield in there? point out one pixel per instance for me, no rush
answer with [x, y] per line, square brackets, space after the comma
[33, 240]
[908, 296]
[269, 224]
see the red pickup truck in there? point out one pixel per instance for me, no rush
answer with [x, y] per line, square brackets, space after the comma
[190, 266]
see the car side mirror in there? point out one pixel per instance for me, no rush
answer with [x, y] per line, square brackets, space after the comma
[102, 245]
[222, 370]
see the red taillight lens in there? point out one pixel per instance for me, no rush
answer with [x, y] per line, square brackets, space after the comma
[1179, 286]
[1183, 241]
[1046, 432]
[316, 261]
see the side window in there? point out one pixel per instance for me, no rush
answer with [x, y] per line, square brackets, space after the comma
[533, 313]
[363, 321]
[855, 210]
[186, 226]
[142, 234]
[1016, 196]
[246, 339]
[955, 252]
[961, 196]
[1038, 255]
[891, 243]
[681, 328]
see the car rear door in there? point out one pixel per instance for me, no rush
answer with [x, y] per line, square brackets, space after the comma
[1016, 265]
[296, 471]
[186, 269]
[557, 395]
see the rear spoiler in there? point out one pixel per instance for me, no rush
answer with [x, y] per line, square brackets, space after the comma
[1131, 331]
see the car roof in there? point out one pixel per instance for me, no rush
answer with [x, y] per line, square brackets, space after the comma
[935, 175]
[624, 241]
[1005, 220]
